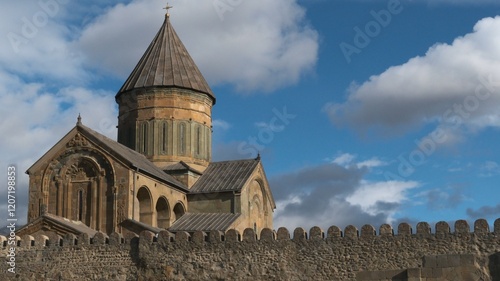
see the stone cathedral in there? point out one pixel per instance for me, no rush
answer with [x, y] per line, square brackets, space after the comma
[159, 174]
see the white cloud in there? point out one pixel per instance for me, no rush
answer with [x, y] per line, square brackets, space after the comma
[42, 88]
[489, 168]
[348, 159]
[370, 195]
[336, 195]
[372, 163]
[452, 85]
[270, 39]
[344, 159]
[220, 124]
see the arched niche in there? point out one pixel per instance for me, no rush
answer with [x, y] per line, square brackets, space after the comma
[179, 210]
[162, 213]
[145, 210]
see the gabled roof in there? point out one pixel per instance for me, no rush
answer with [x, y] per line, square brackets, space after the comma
[225, 176]
[134, 158]
[130, 157]
[58, 224]
[137, 226]
[181, 167]
[191, 222]
[167, 63]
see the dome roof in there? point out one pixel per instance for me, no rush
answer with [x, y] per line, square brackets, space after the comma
[167, 63]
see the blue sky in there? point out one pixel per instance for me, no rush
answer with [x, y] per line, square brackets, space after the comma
[364, 112]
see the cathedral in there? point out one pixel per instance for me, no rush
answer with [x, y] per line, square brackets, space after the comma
[159, 174]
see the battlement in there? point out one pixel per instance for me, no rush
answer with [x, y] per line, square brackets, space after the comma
[369, 254]
[423, 229]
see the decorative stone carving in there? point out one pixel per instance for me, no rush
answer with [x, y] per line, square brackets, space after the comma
[78, 141]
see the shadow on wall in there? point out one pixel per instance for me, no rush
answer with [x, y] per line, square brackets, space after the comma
[494, 266]
[400, 276]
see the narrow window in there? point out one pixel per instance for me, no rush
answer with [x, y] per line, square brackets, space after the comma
[80, 205]
[164, 138]
[198, 140]
[144, 137]
[182, 138]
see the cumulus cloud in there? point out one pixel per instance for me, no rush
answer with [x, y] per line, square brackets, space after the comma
[42, 87]
[331, 194]
[451, 85]
[271, 39]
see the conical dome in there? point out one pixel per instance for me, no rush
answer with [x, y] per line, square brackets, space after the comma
[167, 63]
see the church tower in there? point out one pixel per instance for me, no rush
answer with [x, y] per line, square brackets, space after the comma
[165, 105]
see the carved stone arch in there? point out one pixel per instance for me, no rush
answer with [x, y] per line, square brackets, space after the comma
[162, 212]
[255, 213]
[179, 210]
[145, 200]
[79, 186]
[265, 199]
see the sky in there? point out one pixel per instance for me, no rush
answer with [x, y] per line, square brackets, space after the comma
[364, 112]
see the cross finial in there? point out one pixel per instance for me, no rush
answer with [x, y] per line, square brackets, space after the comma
[168, 7]
[79, 119]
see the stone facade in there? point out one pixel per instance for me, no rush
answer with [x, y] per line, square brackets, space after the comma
[462, 255]
[167, 125]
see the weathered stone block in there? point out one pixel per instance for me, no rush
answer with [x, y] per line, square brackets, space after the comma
[481, 226]
[316, 233]
[423, 228]
[462, 227]
[283, 234]
[249, 235]
[351, 232]
[267, 235]
[215, 236]
[199, 237]
[182, 237]
[443, 228]
[386, 230]
[299, 235]
[233, 235]
[334, 232]
[404, 229]
[367, 231]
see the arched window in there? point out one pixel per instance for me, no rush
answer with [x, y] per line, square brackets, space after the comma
[164, 137]
[163, 213]
[179, 210]
[182, 138]
[145, 212]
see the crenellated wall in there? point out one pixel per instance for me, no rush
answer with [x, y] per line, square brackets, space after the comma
[466, 253]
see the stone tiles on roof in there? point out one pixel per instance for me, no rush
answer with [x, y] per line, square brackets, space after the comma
[225, 176]
[59, 223]
[191, 222]
[167, 63]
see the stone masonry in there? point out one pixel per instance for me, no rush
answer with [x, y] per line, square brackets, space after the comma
[339, 255]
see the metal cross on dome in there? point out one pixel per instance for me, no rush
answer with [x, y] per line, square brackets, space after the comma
[168, 7]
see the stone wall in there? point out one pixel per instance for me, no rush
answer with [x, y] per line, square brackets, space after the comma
[463, 254]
